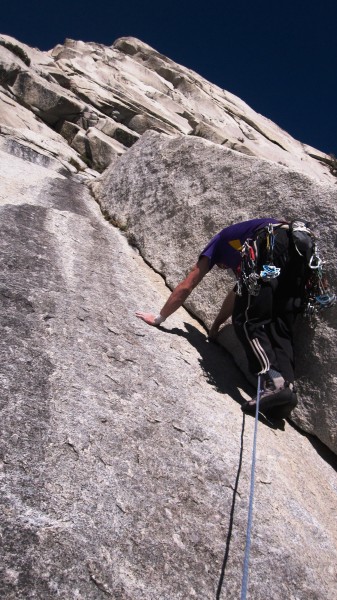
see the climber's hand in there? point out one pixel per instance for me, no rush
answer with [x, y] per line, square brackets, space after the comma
[149, 318]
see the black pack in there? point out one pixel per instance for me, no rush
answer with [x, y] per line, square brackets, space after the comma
[315, 292]
[303, 238]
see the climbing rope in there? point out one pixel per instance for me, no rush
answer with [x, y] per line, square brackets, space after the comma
[251, 498]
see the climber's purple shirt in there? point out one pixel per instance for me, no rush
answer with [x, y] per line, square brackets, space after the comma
[225, 247]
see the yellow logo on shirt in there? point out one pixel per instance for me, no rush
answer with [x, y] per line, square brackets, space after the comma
[236, 244]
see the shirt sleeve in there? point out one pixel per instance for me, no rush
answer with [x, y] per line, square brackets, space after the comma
[212, 251]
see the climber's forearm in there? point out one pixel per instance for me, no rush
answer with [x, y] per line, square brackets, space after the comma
[176, 299]
[179, 294]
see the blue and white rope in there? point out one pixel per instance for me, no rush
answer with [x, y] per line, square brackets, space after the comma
[251, 499]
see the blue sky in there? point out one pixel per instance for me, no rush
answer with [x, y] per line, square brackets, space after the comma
[278, 56]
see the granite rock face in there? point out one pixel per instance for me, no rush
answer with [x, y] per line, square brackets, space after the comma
[127, 88]
[173, 195]
[120, 444]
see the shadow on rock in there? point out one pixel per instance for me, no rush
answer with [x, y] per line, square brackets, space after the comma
[217, 364]
[324, 452]
[220, 369]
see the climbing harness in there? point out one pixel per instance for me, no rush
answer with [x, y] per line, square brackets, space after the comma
[244, 585]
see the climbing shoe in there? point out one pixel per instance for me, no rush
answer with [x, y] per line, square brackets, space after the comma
[282, 411]
[273, 399]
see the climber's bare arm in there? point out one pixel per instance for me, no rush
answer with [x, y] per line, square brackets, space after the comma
[224, 313]
[179, 294]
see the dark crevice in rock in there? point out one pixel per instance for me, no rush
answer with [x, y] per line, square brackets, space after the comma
[251, 123]
[132, 240]
[87, 157]
[324, 451]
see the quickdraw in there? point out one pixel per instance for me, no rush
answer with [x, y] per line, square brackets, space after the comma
[248, 275]
[317, 293]
[270, 243]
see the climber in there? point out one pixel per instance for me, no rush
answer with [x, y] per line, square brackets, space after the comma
[271, 272]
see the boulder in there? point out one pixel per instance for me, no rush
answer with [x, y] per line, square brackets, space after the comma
[117, 131]
[103, 149]
[47, 100]
[173, 195]
[142, 122]
[93, 146]
[69, 131]
[80, 143]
